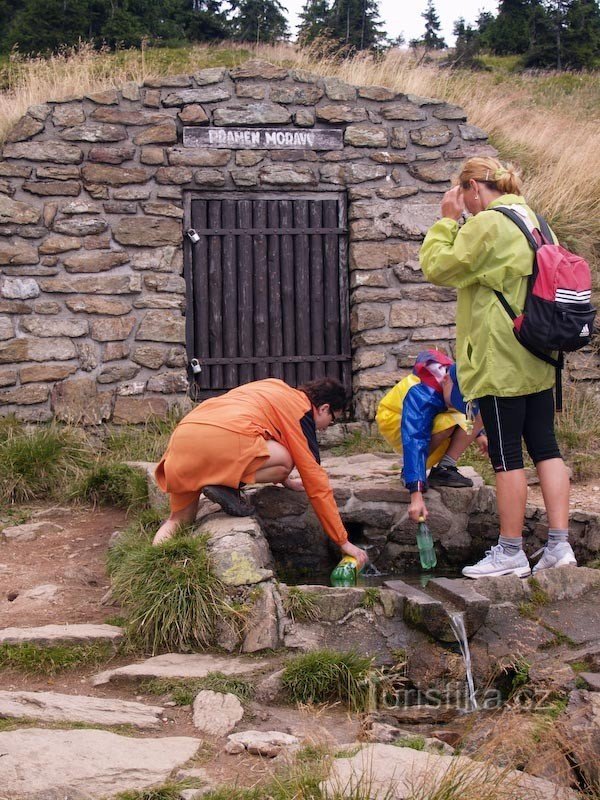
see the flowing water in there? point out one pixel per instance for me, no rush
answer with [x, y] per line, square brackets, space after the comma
[457, 623]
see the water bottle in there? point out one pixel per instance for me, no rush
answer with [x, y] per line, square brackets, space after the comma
[344, 574]
[425, 545]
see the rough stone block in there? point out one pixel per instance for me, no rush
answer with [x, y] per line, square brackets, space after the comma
[111, 329]
[111, 155]
[78, 401]
[366, 136]
[252, 114]
[138, 410]
[411, 314]
[257, 68]
[94, 132]
[114, 176]
[148, 232]
[25, 128]
[14, 211]
[336, 114]
[163, 133]
[162, 326]
[54, 152]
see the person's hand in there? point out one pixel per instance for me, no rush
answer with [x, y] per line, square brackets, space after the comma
[350, 549]
[452, 203]
[417, 507]
[295, 484]
[482, 444]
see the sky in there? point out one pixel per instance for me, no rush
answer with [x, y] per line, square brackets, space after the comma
[404, 16]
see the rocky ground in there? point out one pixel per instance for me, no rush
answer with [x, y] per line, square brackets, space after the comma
[97, 730]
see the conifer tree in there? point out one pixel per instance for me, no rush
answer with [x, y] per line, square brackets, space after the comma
[356, 24]
[431, 39]
[314, 22]
[259, 21]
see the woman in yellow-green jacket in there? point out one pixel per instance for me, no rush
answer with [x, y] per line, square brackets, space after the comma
[513, 387]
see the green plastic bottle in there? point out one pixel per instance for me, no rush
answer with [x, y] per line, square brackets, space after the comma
[425, 545]
[344, 574]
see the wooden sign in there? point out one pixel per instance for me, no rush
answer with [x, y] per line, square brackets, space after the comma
[263, 138]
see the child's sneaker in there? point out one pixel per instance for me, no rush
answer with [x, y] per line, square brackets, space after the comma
[448, 476]
[497, 562]
[558, 556]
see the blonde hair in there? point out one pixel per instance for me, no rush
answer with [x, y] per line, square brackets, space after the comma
[490, 171]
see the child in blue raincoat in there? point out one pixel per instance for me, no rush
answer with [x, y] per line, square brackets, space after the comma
[425, 417]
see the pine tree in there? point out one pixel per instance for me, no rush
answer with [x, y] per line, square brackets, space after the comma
[466, 46]
[511, 31]
[314, 22]
[356, 25]
[259, 21]
[431, 40]
[567, 36]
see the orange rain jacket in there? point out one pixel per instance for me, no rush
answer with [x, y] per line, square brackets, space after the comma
[272, 409]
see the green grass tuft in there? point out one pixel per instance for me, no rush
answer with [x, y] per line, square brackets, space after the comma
[183, 691]
[359, 442]
[413, 742]
[327, 676]
[33, 658]
[140, 442]
[168, 791]
[170, 595]
[41, 462]
[114, 484]
[371, 597]
[301, 605]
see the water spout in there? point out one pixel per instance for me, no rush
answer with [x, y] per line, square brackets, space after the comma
[457, 623]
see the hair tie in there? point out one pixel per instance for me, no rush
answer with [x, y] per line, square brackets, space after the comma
[500, 173]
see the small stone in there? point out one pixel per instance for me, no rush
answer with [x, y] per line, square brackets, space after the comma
[252, 114]
[163, 209]
[55, 152]
[111, 329]
[341, 113]
[153, 156]
[366, 136]
[404, 111]
[94, 132]
[472, 133]
[119, 116]
[71, 328]
[46, 372]
[98, 305]
[205, 77]
[192, 114]
[163, 133]
[114, 176]
[136, 411]
[57, 243]
[95, 261]
[161, 326]
[17, 212]
[261, 743]
[433, 172]
[338, 90]
[216, 713]
[25, 128]
[190, 157]
[209, 177]
[252, 90]
[19, 288]
[148, 232]
[210, 94]
[97, 284]
[45, 593]
[111, 155]
[68, 115]
[257, 68]
[109, 97]
[176, 175]
[380, 94]
[431, 135]
[149, 355]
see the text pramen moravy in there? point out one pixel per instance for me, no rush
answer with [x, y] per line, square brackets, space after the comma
[262, 138]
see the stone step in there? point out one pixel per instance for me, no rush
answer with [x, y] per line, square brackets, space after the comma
[423, 611]
[66, 634]
[47, 763]
[463, 597]
[592, 679]
[54, 707]
[180, 665]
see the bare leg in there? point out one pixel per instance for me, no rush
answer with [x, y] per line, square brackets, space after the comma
[278, 466]
[439, 437]
[511, 496]
[554, 482]
[184, 517]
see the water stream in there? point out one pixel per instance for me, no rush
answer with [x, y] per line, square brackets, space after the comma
[457, 623]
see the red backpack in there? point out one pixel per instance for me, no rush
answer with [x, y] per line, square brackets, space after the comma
[558, 314]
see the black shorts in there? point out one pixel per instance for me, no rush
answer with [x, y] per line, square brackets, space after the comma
[507, 420]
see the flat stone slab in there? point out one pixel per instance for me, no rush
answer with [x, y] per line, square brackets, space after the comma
[180, 665]
[61, 634]
[30, 531]
[592, 679]
[216, 713]
[381, 771]
[54, 707]
[84, 764]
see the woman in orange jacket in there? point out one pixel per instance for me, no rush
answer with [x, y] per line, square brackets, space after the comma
[255, 433]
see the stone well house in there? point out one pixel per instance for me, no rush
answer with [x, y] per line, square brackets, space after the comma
[189, 235]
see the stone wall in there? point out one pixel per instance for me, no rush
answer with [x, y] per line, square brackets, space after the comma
[92, 193]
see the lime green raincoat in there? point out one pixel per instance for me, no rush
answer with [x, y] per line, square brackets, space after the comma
[488, 252]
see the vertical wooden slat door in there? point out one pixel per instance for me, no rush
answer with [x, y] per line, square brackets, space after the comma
[268, 290]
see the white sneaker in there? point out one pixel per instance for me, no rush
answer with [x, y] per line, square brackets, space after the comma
[558, 556]
[496, 562]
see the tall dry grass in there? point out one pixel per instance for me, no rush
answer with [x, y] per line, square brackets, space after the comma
[546, 122]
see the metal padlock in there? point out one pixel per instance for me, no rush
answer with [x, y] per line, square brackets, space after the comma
[195, 365]
[193, 236]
